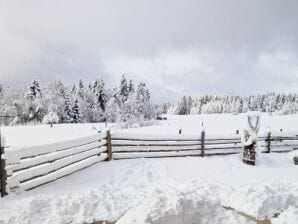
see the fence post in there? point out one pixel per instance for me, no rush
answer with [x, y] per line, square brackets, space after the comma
[202, 143]
[109, 145]
[269, 142]
[3, 175]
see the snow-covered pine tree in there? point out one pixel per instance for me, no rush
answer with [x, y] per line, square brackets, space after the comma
[34, 90]
[189, 104]
[54, 99]
[143, 101]
[67, 110]
[100, 94]
[81, 90]
[75, 112]
[35, 107]
[112, 109]
[123, 90]
[182, 106]
[131, 87]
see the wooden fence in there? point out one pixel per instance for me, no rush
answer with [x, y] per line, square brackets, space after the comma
[30, 167]
[125, 146]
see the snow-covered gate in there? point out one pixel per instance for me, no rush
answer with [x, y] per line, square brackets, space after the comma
[30, 167]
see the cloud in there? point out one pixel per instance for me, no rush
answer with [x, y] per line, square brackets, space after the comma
[168, 70]
[195, 72]
[177, 47]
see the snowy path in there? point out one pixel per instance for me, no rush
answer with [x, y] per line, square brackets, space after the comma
[157, 191]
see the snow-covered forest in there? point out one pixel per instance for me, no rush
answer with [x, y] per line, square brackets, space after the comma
[58, 103]
[279, 103]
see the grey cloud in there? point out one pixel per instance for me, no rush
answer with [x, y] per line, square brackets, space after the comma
[177, 47]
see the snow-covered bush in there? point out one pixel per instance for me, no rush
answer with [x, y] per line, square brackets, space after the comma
[173, 110]
[212, 107]
[50, 118]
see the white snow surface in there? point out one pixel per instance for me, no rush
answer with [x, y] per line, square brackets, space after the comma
[214, 124]
[30, 135]
[169, 190]
[218, 124]
[161, 191]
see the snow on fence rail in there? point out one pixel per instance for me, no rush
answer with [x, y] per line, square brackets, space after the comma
[29, 167]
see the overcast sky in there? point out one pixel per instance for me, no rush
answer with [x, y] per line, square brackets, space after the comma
[175, 46]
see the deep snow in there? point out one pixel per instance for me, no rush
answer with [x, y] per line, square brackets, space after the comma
[171, 190]
[160, 191]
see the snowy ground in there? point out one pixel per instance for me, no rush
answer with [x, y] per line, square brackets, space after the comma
[218, 124]
[190, 124]
[44, 134]
[160, 191]
[163, 191]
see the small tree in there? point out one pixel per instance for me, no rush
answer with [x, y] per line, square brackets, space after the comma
[51, 118]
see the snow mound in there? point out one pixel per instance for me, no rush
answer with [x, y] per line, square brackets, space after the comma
[163, 191]
[264, 199]
[290, 216]
[181, 209]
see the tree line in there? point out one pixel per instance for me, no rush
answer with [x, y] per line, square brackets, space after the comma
[58, 103]
[279, 103]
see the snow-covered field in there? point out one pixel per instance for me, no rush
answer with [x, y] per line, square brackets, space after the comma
[215, 124]
[163, 191]
[190, 124]
[44, 134]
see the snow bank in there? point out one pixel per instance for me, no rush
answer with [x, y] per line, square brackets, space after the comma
[181, 207]
[264, 199]
[290, 216]
[160, 191]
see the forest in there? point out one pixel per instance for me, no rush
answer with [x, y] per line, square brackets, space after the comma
[279, 103]
[58, 103]
[126, 103]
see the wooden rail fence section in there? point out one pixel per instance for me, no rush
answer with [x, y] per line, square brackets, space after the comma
[124, 146]
[30, 167]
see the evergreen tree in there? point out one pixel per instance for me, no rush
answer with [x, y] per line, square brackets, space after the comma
[75, 112]
[81, 90]
[131, 88]
[189, 104]
[100, 94]
[67, 111]
[34, 90]
[182, 106]
[35, 107]
[123, 90]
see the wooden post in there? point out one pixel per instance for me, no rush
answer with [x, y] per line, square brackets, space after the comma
[109, 145]
[3, 175]
[202, 143]
[269, 142]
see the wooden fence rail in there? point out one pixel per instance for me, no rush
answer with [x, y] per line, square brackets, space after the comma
[30, 167]
[128, 146]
